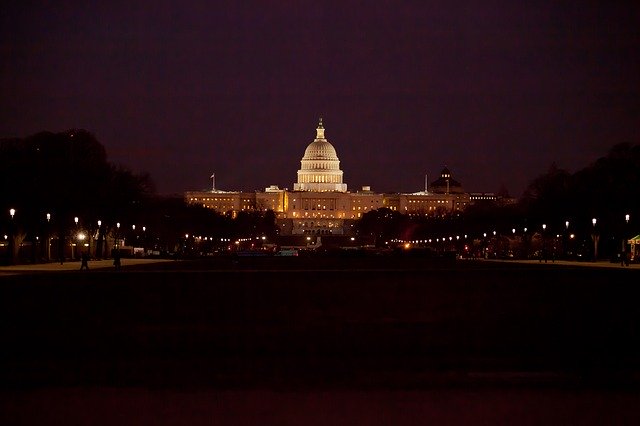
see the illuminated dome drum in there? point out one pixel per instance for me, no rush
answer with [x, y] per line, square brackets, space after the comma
[320, 167]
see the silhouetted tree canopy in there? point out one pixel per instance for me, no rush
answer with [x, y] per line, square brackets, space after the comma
[255, 223]
[607, 189]
[66, 174]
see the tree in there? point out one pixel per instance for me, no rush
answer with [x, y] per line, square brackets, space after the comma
[608, 189]
[65, 174]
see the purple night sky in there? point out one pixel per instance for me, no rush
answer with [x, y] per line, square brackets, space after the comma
[496, 90]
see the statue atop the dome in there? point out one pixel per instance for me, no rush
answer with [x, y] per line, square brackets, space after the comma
[320, 130]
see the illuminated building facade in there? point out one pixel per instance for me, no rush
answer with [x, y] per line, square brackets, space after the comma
[320, 204]
[320, 167]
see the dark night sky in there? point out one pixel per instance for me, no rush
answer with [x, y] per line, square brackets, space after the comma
[497, 90]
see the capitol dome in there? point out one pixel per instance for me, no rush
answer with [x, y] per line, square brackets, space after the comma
[320, 150]
[320, 166]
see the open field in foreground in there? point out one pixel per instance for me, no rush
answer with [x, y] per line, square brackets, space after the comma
[298, 341]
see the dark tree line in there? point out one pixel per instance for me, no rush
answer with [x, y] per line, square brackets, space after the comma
[607, 190]
[51, 178]
[67, 175]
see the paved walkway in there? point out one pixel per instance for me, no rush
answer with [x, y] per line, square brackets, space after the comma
[598, 264]
[108, 264]
[74, 265]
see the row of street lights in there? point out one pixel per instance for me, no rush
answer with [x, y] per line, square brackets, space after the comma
[80, 237]
[544, 228]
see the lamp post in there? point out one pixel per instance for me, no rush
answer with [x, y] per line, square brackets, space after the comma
[485, 245]
[12, 213]
[99, 240]
[48, 242]
[543, 254]
[595, 237]
[75, 219]
[624, 255]
[144, 240]
[565, 239]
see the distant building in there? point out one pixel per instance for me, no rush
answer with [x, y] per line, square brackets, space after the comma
[490, 197]
[446, 184]
[320, 167]
[320, 203]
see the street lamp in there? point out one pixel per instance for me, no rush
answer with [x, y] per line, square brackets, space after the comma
[81, 243]
[595, 237]
[625, 255]
[544, 245]
[12, 213]
[48, 242]
[565, 239]
[144, 238]
[75, 219]
[99, 241]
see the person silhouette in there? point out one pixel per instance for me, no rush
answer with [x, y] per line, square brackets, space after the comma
[624, 258]
[116, 258]
[84, 261]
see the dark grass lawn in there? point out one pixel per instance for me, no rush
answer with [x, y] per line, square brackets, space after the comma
[323, 326]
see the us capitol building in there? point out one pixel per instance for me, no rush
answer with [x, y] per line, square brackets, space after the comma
[320, 203]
